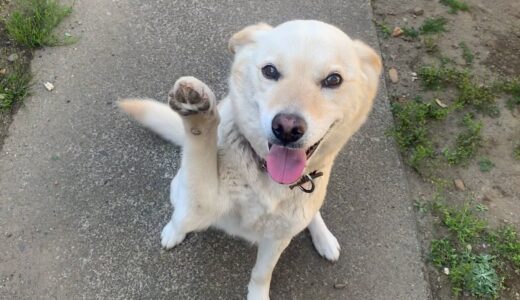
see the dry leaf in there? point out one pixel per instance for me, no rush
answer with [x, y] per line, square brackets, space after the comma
[440, 103]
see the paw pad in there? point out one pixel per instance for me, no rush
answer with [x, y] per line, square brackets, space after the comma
[190, 96]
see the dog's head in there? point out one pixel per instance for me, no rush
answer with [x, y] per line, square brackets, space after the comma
[299, 91]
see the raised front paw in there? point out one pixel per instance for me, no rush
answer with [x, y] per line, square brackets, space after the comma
[191, 96]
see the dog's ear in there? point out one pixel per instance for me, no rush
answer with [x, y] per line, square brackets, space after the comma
[371, 64]
[246, 36]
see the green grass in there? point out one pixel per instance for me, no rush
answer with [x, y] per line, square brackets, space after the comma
[455, 5]
[512, 102]
[410, 32]
[479, 96]
[436, 77]
[14, 87]
[30, 25]
[461, 222]
[32, 22]
[516, 152]
[421, 207]
[443, 253]
[413, 118]
[466, 53]
[512, 88]
[470, 92]
[475, 258]
[505, 244]
[430, 26]
[430, 44]
[411, 130]
[475, 273]
[433, 25]
[485, 164]
[467, 142]
[385, 30]
[481, 207]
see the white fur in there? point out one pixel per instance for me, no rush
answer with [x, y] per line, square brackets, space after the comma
[220, 183]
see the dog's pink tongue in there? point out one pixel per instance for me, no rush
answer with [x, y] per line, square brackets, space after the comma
[285, 165]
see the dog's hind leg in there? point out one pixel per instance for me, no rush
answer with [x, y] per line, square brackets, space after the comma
[324, 241]
[194, 189]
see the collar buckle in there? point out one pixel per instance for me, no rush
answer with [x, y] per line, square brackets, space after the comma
[307, 178]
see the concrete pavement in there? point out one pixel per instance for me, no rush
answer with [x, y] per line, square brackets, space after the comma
[84, 190]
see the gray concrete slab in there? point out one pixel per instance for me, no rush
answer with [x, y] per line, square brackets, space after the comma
[84, 190]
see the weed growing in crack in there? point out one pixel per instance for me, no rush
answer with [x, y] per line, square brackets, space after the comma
[14, 87]
[384, 29]
[32, 23]
[455, 5]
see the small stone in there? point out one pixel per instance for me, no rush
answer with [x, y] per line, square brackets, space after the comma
[418, 11]
[12, 57]
[397, 32]
[339, 286]
[392, 74]
[459, 184]
[49, 86]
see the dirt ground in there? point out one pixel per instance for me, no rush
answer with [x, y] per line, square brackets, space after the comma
[491, 30]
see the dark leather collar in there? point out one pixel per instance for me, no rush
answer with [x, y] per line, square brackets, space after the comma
[303, 180]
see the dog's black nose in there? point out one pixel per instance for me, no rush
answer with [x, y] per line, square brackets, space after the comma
[288, 128]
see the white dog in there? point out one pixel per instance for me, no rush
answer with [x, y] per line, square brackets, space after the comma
[258, 164]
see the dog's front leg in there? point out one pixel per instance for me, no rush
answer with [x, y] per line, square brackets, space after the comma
[269, 252]
[195, 187]
[324, 241]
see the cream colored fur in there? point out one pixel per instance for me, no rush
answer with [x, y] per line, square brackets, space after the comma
[220, 182]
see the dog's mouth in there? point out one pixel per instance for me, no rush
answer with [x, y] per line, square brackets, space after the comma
[285, 165]
[309, 150]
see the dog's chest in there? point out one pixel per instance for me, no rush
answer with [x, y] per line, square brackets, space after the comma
[258, 207]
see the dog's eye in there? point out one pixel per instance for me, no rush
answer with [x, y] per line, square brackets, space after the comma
[332, 81]
[270, 72]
